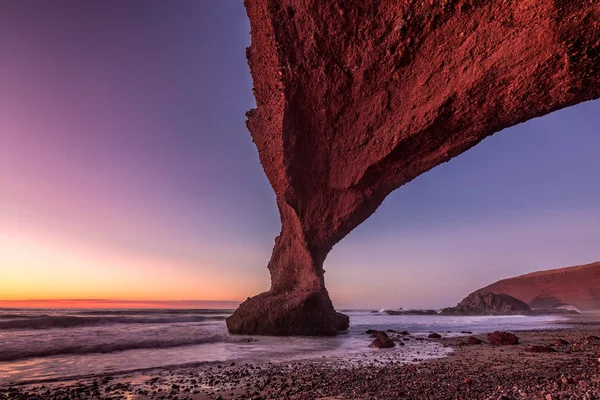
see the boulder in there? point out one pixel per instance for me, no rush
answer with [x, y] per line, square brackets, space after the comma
[540, 349]
[288, 313]
[382, 340]
[473, 340]
[488, 303]
[434, 336]
[502, 338]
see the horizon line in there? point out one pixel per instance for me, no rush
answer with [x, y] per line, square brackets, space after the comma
[120, 300]
[118, 304]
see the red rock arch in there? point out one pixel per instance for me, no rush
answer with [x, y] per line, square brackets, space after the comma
[356, 98]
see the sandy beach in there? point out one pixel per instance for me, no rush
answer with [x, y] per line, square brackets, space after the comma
[569, 371]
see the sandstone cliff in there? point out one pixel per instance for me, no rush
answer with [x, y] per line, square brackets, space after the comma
[488, 303]
[578, 286]
[356, 98]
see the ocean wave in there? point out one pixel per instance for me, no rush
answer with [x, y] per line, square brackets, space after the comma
[68, 321]
[81, 349]
[19, 316]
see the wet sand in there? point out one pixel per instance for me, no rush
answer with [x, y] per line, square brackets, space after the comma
[471, 372]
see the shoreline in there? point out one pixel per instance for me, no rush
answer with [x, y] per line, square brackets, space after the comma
[469, 372]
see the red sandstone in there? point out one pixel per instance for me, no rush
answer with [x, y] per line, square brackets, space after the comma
[578, 286]
[356, 98]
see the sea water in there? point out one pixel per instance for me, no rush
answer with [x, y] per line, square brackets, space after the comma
[38, 345]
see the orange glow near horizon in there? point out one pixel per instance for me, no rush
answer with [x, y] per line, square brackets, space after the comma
[35, 268]
[116, 304]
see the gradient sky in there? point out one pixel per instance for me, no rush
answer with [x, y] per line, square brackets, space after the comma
[126, 172]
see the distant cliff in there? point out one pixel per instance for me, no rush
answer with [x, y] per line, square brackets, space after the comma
[578, 286]
[488, 303]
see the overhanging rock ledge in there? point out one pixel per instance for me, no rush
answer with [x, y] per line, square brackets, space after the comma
[356, 98]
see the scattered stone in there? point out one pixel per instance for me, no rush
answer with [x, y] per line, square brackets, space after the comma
[502, 338]
[566, 381]
[540, 349]
[473, 340]
[382, 340]
[482, 373]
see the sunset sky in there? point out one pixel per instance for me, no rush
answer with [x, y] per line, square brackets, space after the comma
[127, 172]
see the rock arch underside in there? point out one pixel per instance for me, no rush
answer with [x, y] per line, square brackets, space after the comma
[356, 98]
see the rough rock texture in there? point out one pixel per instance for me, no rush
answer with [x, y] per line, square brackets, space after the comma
[356, 98]
[578, 286]
[472, 340]
[546, 302]
[502, 338]
[487, 303]
[538, 348]
[382, 340]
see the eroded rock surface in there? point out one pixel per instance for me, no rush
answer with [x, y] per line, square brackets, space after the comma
[356, 98]
[578, 286]
[488, 303]
[546, 302]
[472, 340]
[502, 338]
[381, 340]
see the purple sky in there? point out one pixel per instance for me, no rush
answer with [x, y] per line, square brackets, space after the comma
[125, 162]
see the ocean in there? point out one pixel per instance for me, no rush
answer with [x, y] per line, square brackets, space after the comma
[43, 345]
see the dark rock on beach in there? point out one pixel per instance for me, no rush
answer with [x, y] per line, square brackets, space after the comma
[382, 340]
[434, 336]
[502, 338]
[288, 313]
[540, 349]
[474, 341]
